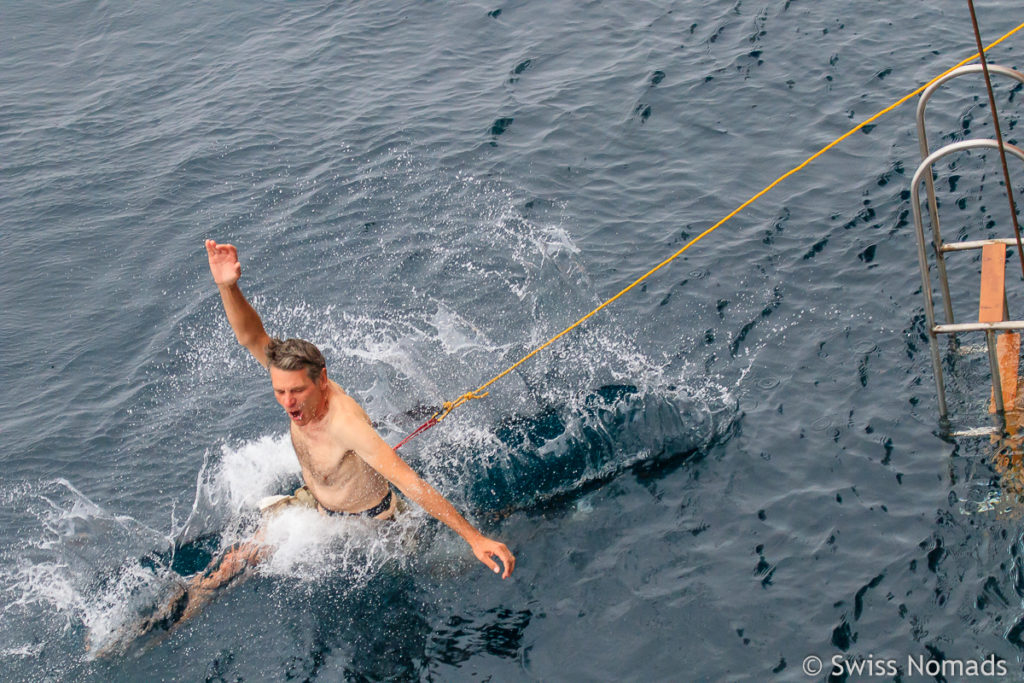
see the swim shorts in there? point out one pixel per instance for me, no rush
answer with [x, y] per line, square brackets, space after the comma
[302, 497]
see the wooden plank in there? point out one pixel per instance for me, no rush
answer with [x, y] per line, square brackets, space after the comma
[991, 307]
[1008, 350]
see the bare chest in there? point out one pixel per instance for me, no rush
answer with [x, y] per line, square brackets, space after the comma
[324, 463]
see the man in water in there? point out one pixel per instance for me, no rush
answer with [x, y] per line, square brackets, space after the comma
[347, 469]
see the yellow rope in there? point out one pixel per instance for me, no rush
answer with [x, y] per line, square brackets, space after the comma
[449, 406]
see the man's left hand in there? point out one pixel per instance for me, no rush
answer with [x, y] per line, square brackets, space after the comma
[486, 550]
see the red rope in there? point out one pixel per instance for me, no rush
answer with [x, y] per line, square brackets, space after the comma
[422, 428]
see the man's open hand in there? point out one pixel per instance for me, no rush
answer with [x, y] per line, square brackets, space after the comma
[224, 263]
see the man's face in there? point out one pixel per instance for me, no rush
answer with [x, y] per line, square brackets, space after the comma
[301, 397]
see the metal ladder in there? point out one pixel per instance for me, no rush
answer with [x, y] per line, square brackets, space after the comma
[991, 323]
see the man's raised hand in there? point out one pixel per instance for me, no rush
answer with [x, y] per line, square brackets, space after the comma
[224, 263]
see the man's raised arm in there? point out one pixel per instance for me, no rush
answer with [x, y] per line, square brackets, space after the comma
[242, 316]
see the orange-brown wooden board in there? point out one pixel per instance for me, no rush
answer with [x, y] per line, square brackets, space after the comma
[993, 273]
[1008, 351]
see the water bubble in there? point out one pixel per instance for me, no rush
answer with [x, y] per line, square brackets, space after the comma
[821, 424]
[865, 347]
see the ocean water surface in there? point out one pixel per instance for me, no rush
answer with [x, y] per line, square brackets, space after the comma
[735, 467]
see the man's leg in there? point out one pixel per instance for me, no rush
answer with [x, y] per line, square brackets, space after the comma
[229, 566]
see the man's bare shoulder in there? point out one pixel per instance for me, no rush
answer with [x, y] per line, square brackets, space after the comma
[341, 403]
[346, 414]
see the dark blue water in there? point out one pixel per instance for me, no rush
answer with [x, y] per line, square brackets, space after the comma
[736, 466]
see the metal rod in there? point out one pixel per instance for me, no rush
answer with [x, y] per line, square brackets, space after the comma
[993, 364]
[940, 385]
[999, 135]
[977, 244]
[926, 282]
[979, 327]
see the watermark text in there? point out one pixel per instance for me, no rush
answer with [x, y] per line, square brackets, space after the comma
[912, 665]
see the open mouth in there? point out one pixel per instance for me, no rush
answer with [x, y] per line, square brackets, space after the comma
[295, 414]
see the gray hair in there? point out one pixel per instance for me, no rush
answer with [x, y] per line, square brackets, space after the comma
[296, 354]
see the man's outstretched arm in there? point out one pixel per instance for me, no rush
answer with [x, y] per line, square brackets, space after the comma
[368, 445]
[244, 319]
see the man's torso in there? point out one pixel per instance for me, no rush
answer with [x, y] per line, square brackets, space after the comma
[337, 477]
